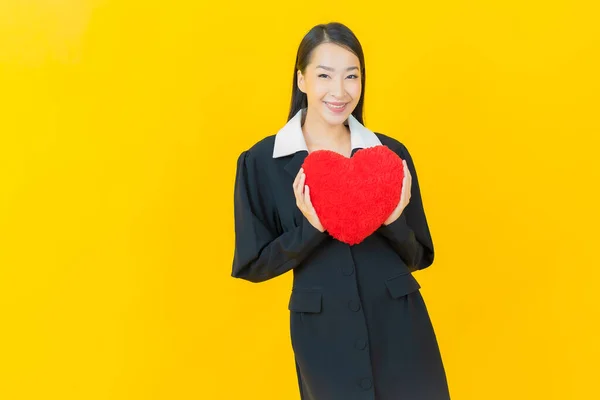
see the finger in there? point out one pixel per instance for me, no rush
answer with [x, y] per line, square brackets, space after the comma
[407, 180]
[300, 196]
[294, 186]
[405, 189]
[407, 169]
[302, 183]
[403, 194]
[307, 200]
[298, 175]
[297, 179]
[296, 191]
[297, 186]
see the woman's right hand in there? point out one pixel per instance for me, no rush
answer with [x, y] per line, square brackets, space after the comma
[302, 193]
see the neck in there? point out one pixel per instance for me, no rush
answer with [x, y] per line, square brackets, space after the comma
[318, 133]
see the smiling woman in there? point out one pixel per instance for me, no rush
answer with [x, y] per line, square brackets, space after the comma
[360, 328]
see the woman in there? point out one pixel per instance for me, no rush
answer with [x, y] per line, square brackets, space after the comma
[359, 326]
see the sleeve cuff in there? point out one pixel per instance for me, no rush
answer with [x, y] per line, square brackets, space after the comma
[397, 230]
[310, 234]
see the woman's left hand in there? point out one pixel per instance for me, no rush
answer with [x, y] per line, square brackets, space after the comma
[404, 196]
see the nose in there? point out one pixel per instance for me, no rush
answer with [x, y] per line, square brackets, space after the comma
[337, 89]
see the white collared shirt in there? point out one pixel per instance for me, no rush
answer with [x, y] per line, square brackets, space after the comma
[290, 139]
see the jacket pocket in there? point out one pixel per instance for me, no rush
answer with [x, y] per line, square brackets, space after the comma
[401, 285]
[305, 301]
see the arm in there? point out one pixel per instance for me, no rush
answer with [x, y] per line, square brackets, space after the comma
[409, 235]
[260, 252]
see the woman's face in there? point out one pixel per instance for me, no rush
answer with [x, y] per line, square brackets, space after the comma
[332, 82]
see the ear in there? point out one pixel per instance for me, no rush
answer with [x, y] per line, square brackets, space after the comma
[301, 84]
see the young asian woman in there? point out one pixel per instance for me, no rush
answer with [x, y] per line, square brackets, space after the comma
[359, 325]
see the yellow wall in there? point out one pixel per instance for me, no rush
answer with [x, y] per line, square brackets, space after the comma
[120, 124]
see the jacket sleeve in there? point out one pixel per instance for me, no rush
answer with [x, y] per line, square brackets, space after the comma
[261, 252]
[409, 235]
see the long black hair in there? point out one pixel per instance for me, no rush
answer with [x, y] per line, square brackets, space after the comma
[333, 32]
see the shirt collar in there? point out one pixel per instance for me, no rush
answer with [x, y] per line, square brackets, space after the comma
[290, 139]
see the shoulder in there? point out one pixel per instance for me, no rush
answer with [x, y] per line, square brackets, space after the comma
[394, 144]
[258, 153]
[263, 148]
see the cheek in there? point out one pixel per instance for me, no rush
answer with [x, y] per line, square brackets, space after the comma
[317, 90]
[354, 89]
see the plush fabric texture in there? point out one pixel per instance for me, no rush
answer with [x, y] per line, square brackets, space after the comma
[354, 196]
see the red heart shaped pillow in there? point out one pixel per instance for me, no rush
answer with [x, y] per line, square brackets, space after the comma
[354, 196]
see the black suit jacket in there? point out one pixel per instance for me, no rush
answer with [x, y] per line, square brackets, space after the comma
[358, 323]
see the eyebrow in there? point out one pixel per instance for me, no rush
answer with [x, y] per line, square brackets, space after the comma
[333, 69]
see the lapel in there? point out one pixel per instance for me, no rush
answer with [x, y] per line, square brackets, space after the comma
[293, 166]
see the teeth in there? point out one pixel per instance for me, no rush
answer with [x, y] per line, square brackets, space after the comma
[331, 105]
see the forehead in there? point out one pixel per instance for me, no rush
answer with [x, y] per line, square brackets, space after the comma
[333, 55]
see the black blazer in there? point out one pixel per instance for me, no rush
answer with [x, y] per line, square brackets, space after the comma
[273, 236]
[359, 326]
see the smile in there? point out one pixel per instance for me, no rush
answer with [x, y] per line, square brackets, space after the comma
[336, 108]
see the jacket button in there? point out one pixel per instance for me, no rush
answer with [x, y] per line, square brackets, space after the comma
[360, 344]
[347, 269]
[354, 305]
[366, 383]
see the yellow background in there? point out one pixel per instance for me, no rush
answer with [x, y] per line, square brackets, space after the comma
[120, 125]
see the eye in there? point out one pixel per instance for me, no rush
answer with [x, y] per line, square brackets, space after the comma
[355, 76]
[323, 75]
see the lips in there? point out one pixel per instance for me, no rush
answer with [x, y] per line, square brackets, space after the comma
[336, 107]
